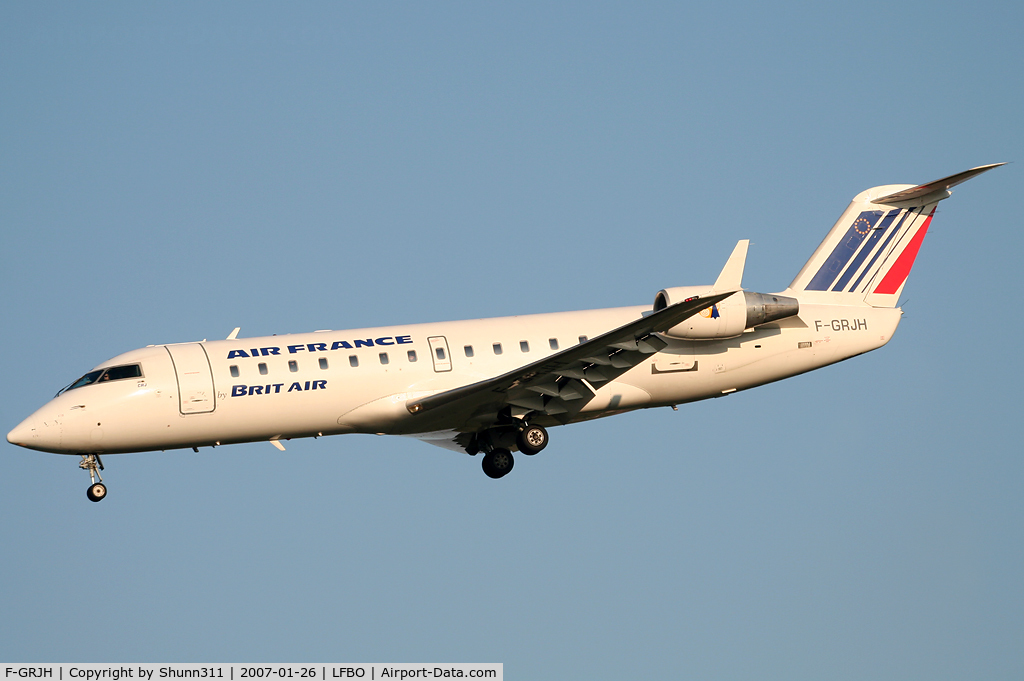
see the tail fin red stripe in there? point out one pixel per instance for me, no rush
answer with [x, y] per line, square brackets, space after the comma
[900, 270]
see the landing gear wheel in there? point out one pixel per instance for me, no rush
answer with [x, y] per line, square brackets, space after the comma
[94, 464]
[497, 463]
[96, 492]
[531, 440]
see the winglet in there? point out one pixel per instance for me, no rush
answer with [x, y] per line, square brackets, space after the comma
[732, 274]
[234, 334]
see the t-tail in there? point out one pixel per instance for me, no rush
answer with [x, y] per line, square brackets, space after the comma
[867, 256]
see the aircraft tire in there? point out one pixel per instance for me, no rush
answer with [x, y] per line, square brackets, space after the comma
[497, 463]
[531, 440]
[96, 492]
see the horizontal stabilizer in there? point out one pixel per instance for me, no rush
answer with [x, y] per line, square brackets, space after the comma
[936, 187]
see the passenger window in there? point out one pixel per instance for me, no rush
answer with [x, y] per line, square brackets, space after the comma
[583, 339]
[293, 366]
[323, 362]
[412, 355]
[524, 346]
[497, 348]
[553, 342]
[263, 369]
[353, 360]
[384, 358]
[440, 353]
[234, 371]
[469, 350]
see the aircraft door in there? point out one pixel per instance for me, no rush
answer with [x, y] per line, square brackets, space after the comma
[195, 378]
[439, 353]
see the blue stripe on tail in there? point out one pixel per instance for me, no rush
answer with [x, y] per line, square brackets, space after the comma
[882, 249]
[876, 235]
[844, 250]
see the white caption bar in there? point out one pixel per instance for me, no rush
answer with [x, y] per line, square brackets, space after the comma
[249, 672]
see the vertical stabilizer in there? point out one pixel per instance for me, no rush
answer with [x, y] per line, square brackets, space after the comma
[868, 254]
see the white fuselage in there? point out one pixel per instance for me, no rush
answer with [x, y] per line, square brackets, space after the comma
[359, 381]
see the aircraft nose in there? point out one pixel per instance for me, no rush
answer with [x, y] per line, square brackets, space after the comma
[22, 433]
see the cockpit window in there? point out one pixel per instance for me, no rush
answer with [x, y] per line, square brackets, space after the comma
[84, 380]
[118, 373]
[104, 375]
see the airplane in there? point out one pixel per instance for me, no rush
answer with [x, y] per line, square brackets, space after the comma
[495, 386]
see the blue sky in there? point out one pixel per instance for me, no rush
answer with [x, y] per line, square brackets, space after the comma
[171, 171]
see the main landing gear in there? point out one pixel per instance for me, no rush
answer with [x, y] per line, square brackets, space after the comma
[530, 440]
[92, 463]
[498, 463]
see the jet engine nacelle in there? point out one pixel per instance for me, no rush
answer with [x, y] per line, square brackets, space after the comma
[729, 318]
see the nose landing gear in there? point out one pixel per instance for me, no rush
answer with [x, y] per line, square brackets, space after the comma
[92, 463]
[96, 492]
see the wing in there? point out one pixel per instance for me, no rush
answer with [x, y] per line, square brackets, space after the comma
[558, 386]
